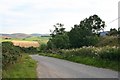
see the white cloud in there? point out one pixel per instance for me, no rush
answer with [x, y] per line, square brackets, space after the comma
[32, 16]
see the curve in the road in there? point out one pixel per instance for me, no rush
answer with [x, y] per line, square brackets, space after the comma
[56, 68]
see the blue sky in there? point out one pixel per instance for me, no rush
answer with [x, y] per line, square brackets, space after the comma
[39, 16]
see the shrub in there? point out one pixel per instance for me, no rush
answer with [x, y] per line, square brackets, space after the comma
[106, 53]
[42, 48]
[109, 53]
[29, 50]
[10, 53]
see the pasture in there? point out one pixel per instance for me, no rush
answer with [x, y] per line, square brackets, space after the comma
[27, 42]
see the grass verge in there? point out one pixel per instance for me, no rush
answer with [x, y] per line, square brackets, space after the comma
[25, 68]
[86, 60]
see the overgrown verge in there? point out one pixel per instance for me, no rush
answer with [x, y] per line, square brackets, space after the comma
[29, 50]
[25, 68]
[10, 54]
[105, 57]
[15, 64]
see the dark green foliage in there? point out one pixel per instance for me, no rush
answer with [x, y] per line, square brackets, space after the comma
[96, 23]
[108, 40]
[76, 37]
[59, 38]
[92, 40]
[110, 54]
[29, 50]
[113, 32]
[83, 44]
[25, 68]
[85, 34]
[61, 41]
[50, 44]
[10, 53]
[105, 53]
[58, 30]
[42, 48]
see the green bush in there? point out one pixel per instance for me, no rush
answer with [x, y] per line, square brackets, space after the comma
[60, 41]
[25, 68]
[42, 48]
[108, 40]
[29, 50]
[109, 53]
[10, 53]
[106, 53]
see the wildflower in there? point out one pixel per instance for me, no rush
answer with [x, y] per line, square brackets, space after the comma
[95, 53]
[84, 47]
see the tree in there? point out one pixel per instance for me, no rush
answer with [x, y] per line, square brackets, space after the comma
[96, 23]
[58, 29]
[61, 41]
[42, 48]
[59, 38]
[113, 32]
[83, 34]
[75, 36]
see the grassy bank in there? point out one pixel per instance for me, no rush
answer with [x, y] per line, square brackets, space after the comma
[25, 68]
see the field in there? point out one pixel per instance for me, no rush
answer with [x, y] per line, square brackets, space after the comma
[38, 39]
[25, 43]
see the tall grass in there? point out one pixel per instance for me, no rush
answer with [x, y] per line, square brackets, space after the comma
[106, 53]
[25, 68]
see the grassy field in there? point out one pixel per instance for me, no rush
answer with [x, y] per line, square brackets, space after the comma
[38, 39]
[25, 68]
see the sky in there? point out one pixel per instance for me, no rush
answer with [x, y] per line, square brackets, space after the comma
[39, 16]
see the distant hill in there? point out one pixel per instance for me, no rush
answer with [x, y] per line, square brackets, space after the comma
[20, 35]
[36, 34]
[16, 35]
[8, 35]
[23, 35]
[45, 35]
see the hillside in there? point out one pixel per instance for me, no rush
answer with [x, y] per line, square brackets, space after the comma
[22, 35]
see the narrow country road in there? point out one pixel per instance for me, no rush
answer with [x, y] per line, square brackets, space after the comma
[56, 68]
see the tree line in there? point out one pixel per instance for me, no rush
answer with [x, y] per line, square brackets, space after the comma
[86, 33]
[83, 34]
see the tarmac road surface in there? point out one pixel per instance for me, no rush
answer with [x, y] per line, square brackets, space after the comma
[49, 67]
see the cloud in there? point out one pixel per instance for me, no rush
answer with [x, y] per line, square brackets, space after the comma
[40, 15]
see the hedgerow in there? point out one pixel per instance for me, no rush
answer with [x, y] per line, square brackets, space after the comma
[10, 53]
[105, 53]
